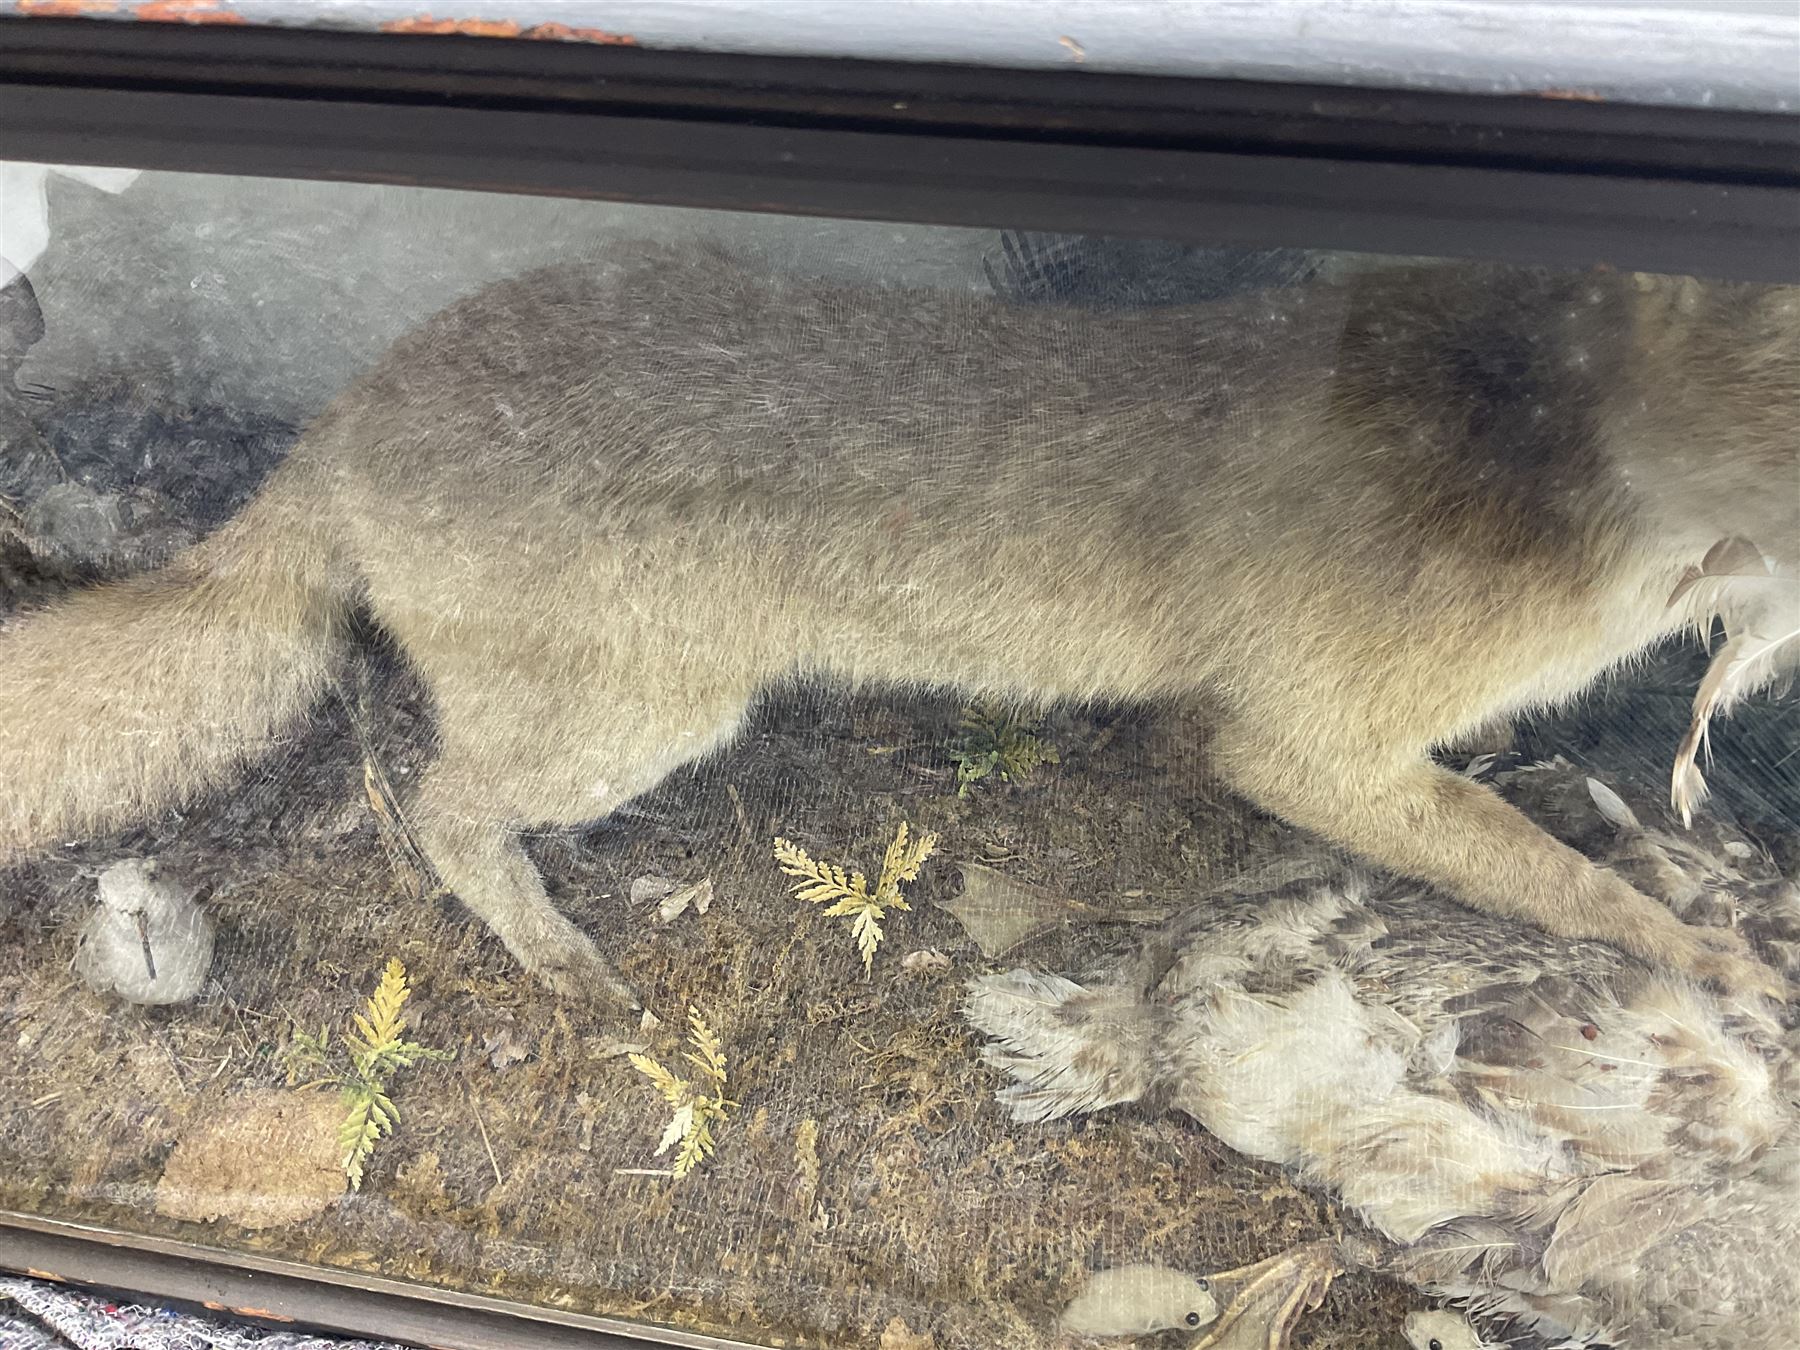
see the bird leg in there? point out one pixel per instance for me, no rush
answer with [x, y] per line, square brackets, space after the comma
[1263, 1302]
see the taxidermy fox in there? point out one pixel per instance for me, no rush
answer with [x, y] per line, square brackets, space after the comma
[600, 509]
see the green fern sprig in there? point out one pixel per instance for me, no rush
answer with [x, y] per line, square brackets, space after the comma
[850, 895]
[695, 1105]
[998, 742]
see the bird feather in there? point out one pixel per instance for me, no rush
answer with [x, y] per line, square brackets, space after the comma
[1761, 610]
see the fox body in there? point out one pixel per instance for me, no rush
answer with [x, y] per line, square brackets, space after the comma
[600, 508]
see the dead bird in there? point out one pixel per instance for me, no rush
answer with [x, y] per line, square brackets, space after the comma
[147, 941]
[1441, 1329]
[1252, 1308]
[1266, 1301]
[601, 508]
[1139, 1300]
[1536, 1128]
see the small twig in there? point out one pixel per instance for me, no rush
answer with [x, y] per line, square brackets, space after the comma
[743, 818]
[398, 837]
[161, 1037]
[487, 1143]
[643, 1171]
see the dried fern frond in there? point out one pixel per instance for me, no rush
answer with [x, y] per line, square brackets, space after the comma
[368, 1115]
[1762, 616]
[997, 742]
[375, 1051]
[901, 863]
[826, 881]
[695, 1106]
[708, 1054]
[850, 894]
[674, 1091]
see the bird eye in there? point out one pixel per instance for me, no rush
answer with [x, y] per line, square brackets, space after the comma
[1193, 1320]
[1436, 1344]
[1204, 1283]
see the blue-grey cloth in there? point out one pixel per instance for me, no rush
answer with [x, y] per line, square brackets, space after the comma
[38, 1315]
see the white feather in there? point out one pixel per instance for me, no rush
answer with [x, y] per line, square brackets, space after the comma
[1612, 805]
[1761, 610]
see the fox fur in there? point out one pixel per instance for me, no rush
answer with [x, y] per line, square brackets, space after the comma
[600, 508]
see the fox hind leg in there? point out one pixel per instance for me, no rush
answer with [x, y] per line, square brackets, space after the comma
[575, 760]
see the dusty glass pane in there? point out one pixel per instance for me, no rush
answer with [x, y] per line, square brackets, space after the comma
[1065, 786]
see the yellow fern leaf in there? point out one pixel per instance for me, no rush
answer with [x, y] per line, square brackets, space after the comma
[902, 863]
[386, 1002]
[709, 1054]
[850, 897]
[913, 861]
[674, 1091]
[375, 1051]
[680, 1127]
[694, 1108]
[850, 904]
[867, 932]
[695, 1145]
[793, 859]
[357, 1135]
[892, 860]
[821, 881]
[824, 891]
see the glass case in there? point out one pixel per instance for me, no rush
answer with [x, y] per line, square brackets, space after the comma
[1033, 770]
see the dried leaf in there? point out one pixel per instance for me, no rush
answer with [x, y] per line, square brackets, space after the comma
[377, 799]
[806, 1167]
[610, 1047]
[699, 895]
[651, 888]
[504, 1049]
[1000, 913]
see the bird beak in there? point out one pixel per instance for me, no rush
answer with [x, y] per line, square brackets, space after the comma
[143, 928]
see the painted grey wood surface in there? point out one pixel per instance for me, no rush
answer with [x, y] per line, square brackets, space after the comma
[1703, 53]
